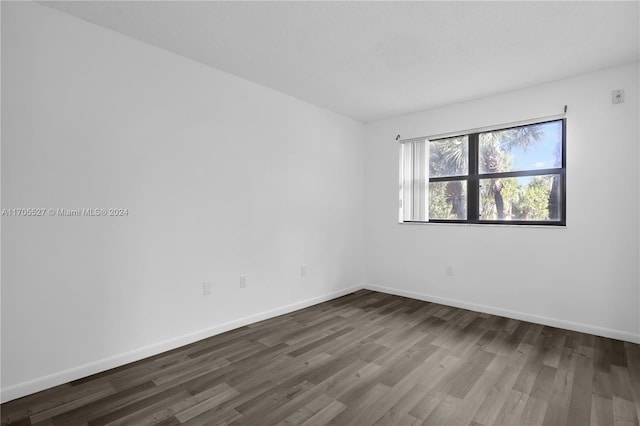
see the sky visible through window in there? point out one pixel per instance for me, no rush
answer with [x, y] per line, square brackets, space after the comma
[545, 153]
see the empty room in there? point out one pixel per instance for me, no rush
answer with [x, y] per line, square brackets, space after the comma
[320, 213]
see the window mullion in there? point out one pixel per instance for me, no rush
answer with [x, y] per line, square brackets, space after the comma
[473, 195]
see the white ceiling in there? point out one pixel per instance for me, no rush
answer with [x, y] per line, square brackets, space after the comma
[374, 60]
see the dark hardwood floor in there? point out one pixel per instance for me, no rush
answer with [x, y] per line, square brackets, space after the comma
[363, 359]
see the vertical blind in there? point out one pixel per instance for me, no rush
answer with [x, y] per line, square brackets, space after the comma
[414, 178]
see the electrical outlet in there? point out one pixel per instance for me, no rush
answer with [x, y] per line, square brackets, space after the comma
[303, 270]
[617, 96]
[449, 270]
[206, 288]
[243, 281]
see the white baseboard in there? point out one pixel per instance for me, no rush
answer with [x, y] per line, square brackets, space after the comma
[26, 388]
[553, 322]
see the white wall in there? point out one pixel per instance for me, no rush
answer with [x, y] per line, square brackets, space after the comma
[582, 277]
[221, 177]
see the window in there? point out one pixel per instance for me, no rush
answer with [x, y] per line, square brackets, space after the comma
[514, 175]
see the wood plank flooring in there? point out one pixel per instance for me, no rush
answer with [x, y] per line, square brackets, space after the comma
[363, 359]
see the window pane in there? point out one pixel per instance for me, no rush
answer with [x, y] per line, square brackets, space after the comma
[449, 157]
[521, 198]
[448, 200]
[534, 147]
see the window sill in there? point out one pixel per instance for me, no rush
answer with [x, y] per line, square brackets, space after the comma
[483, 225]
